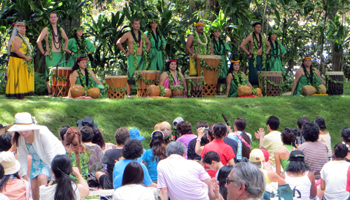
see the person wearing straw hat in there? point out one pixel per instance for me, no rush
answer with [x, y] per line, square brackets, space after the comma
[276, 53]
[198, 44]
[79, 45]
[306, 75]
[234, 79]
[221, 48]
[41, 144]
[20, 81]
[158, 44]
[11, 184]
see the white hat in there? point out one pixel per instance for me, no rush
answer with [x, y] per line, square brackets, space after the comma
[24, 122]
[9, 162]
[256, 155]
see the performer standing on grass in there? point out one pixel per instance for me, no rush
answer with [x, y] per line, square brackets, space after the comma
[138, 47]
[56, 45]
[158, 44]
[20, 82]
[276, 53]
[79, 45]
[256, 53]
[198, 44]
[220, 48]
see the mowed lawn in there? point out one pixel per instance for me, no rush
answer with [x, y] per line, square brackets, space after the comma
[144, 113]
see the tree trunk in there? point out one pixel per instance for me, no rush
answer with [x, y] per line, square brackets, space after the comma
[337, 54]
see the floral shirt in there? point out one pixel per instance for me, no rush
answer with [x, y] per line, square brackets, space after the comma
[96, 155]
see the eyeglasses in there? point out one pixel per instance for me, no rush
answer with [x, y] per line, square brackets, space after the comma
[228, 181]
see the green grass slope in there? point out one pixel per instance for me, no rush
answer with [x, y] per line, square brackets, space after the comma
[144, 113]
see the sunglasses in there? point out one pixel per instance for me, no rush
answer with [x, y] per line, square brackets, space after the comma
[228, 181]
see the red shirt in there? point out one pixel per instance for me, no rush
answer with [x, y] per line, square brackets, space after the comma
[219, 146]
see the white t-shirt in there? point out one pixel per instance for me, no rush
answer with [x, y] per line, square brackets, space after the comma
[334, 174]
[133, 192]
[48, 192]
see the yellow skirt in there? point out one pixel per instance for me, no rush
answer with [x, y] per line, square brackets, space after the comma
[193, 69]
[20, 83]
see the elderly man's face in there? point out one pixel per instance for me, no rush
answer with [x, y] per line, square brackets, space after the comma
[233, 192]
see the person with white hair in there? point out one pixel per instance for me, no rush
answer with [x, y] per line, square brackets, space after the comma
[20, 80]
[39, 142]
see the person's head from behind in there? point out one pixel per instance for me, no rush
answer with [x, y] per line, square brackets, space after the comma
[287, 136]
[2, 172]
[63, 131]
[220, 130]
[310, 132]
[122, 135]
[201, 124]
[184, 128]
[98, 138]
[297, 163]
[132, 149]
[72, 140]
[158, 145]
[345, 134]
[257, 157]
[245, 181]
[272, 123]
[223, 174]
[321, 123]
[212, 159]
[164, 126]
[301, 121]
[176, 148]
[10, 167]
[61, 167]
[5, 142]
[87, 133]
[240, 124]
[340, 151]
[133, 174]
[211, 135]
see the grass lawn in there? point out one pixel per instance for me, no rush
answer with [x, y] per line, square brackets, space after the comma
[144, 113]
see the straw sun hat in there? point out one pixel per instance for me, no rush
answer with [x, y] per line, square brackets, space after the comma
[9, 162]
[24, 122]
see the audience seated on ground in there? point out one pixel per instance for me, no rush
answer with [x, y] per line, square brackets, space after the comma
[63, 187]
[212, 159]
[191, 149]
[112, 156]
[135, 134]
[324, 135]
[131, 151]
[5, 142]
[243, 139]
[131, 187]
[345, 136]
[63, 131]
[98, 139]
[282, 154]
[185, 132]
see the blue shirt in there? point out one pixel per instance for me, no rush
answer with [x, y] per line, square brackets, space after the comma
[118, 172]
[151, 164]
[235, 138]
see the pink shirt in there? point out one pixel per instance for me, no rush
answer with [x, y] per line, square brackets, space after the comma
[183, 178]
[186, 139]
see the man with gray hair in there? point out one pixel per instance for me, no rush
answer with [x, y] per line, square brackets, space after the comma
[179, 178]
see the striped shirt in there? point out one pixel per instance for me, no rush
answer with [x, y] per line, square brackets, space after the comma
[315, 156]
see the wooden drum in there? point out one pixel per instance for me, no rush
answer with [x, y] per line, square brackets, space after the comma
[273, 76]
[197, 89]
[210, 76]
[62, 80]
[335, 88]
[116, 82]
[151, 75]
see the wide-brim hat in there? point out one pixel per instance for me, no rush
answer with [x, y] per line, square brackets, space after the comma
[23, 122]
[87, 121]
[135, 134]
[9, 163]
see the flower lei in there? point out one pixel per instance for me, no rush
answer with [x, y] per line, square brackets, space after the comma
[82, 80]
[238, 78]
[314, 77]
[199, 39]
[29, 53]
[49, 36]
[81, 46]
[136, 46]
[204, 48]
[256, 46]
[171, 81]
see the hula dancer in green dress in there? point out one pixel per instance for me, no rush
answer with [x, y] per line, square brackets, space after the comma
[235, 78]
[276, 53]
[56, 45]
[138, 46]
[79, 45]
[306, 75]
[257, 54]
[158, 44]
[220, 48]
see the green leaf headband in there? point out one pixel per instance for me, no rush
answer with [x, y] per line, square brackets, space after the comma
[153, 20]
[215, 28]
[78, 28]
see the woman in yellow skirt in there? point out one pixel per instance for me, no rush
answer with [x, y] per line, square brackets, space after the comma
[20, 81]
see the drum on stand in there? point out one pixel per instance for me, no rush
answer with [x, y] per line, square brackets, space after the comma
[210, 76]
[63, 83]
[273, 76]
[151, 75]
[335, 88]
[116, 82]
[197, 89]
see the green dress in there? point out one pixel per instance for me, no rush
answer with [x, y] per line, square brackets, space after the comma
[72, 45]
[302, 82]
[93, 84]
[221, 48]
[275, 63]
[233, 90]
[155, 53]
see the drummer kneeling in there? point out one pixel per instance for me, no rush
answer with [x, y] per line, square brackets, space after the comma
[237, 83]
[84, 80]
